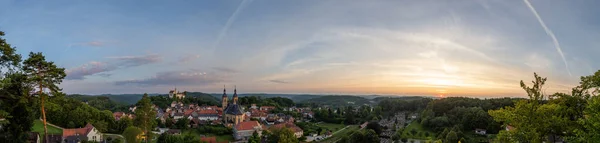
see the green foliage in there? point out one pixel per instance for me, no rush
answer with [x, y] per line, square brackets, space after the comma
[338, 101]
[366, 136]
[255, 138]
[144, 116]
[214, 129]
[182, 123]
[101, 102]
[451, 137]
[282, 135]
[375, 127]
[131, 134]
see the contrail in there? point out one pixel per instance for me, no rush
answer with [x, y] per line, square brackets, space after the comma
[549, 33]
[231, 19]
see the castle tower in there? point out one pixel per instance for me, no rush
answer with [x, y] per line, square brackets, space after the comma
[235, 96]
[224, 99]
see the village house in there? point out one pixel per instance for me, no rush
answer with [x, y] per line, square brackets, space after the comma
[243, 130]
[267, 108]
[87, 133]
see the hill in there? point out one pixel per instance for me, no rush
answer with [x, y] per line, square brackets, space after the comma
[339, 100]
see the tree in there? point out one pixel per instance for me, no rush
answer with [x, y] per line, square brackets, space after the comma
[532, 119]
[144, 116]
[255, 138]
[131, 134]
[375, 127]
[404, 140]
[16, 107]
[282, 135]
[451, 137]
[182, 123]
[45, 76]
[371, 136]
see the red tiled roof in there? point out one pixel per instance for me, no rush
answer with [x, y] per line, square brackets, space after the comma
[248, 125]
[81, 131]
[208, 112]
[188, 112]
[208, 139]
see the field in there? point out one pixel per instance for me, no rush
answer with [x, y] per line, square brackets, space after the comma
[415, 131]
[38, 126]
[338, 135]
[221, 138]
[332, 127]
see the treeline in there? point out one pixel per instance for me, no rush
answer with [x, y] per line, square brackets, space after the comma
[278, 102]
[395, 105]
[466, 113]
[572, 117]
[101, 102]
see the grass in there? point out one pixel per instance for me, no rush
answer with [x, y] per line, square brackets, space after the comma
[407, 132]
[220, 138]
[342, 133]
[38, 127]
[330, 126]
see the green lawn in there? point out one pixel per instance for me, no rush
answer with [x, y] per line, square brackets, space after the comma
[346, 132]
[332, 127]
[38, 127]
[420, 132]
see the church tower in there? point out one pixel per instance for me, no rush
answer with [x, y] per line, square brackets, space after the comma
[224, 99]
[235, 96]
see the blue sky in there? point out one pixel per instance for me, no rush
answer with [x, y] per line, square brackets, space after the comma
[454, 48]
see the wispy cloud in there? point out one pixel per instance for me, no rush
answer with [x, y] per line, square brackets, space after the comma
[190, 77]
[278, 81]
[91, 68]
[100, 68]
[226, 69]
[230, 21]
[188, 58]
[549, 33]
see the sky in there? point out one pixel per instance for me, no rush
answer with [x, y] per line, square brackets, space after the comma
[475, 48]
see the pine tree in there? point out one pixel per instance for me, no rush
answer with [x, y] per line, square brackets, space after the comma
[44, 76]
[144, 116]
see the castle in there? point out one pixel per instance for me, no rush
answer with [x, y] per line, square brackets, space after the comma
[232, 112]
[176, 94]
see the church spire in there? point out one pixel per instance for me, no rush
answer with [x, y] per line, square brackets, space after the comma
[235, 91]
[224, 91]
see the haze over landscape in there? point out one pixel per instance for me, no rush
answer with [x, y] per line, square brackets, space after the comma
[477, 48]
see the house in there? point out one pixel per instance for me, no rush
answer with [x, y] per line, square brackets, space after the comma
[362, 126]
[194, 123]
[119, 115]
[253, 106]
[297, 130]
[88, 133]
[480, 131]
[178, 115]
[208, 115]
[55, 139]
[267, 108]
[243, 130]
[208, 139]
[34, 137]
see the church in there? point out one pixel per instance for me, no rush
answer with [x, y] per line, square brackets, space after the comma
[232, 112]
